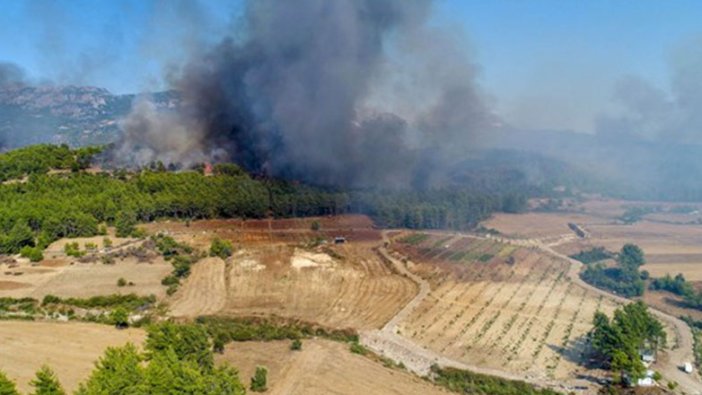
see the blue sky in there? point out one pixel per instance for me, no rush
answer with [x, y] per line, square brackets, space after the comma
[561, 55]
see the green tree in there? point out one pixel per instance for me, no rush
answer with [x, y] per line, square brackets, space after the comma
[7, 386]
[19, 236]
[117, 372]
[259, 381]
[46, 383]
[125, 223]
[188, 342]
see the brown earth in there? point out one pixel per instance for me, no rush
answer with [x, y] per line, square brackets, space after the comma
[322, 367]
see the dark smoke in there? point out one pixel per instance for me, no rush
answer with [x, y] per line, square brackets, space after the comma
[350, 92]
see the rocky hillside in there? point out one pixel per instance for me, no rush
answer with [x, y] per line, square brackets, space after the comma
[63, 114]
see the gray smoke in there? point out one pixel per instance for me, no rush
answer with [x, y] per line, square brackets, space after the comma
[11, 74]
[350, 92]
[652, 113]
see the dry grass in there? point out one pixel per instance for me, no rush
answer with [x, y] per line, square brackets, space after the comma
[321, 367]
[71, 349]
[354, 288]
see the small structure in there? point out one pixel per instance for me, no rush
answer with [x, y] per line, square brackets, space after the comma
[647, 357]
[339, 240]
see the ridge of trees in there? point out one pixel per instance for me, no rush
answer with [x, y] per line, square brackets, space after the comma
[47, 207]
[679, 286]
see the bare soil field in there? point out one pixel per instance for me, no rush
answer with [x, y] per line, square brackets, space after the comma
[516, 311]
[538, 225]
[340, 286]
[70, 349]
[355, 228]
[321, 367]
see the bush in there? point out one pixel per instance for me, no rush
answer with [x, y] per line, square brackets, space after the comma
[296, 345]
[170, 280]
[120, 317]
[33, 253]
[121, 282]
[73, 249]
[259, 380]
[221, 248]
[357, 348]
[107, 242]
[315, 226]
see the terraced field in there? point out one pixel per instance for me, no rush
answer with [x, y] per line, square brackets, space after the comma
[345, 285]
[499, 306]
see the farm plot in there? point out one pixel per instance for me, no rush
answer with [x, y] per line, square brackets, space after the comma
[67, 276]
[516, 311]
[340, 286]
[354, 228]
[321, 367]
[71, 349]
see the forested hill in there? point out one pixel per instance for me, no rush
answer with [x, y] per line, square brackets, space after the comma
[40, 205]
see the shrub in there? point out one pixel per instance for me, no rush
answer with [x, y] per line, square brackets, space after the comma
[357, 348]
[33, 253]
[73, 249]
[121, 282]
[107, 242]
[120, 317]
[221, 248]
[259, 379]
[315, 226]
[296, 345]
[170, 280]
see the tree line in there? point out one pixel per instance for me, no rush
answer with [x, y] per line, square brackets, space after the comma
[46, 207]
[623, 279]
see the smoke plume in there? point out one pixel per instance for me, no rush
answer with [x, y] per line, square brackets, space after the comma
[11, 74]
[348, 92]
[655, 114]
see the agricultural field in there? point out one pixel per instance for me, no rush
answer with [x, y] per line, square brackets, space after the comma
[68, 276]
[335, 285]
[322, 367]
[500, 306]
[71, 349]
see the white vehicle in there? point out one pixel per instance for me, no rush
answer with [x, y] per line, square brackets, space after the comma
[687, 368]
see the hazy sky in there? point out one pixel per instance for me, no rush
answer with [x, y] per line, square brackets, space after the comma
[545, 63]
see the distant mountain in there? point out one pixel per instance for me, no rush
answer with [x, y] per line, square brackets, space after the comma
[76, 115]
